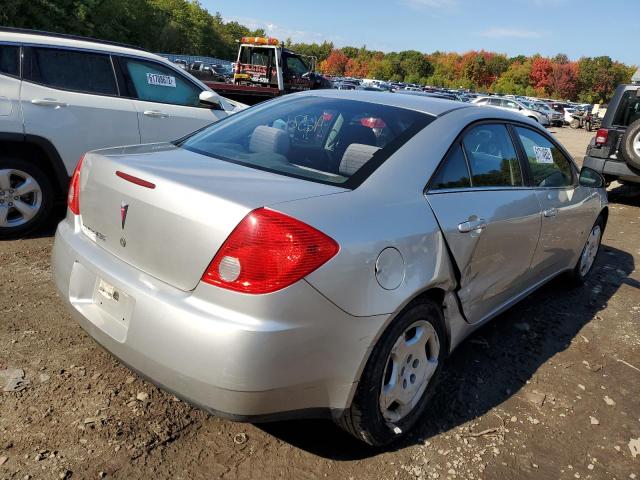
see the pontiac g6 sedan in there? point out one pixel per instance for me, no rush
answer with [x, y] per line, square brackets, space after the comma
[320, 255]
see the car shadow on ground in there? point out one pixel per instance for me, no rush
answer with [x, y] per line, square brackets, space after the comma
[628, 195]
[490, 366]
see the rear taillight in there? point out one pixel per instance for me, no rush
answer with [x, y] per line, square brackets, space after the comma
[268, 251]
[73, 197]
[602, 135]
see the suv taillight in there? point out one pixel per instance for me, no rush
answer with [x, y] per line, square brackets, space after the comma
[73, 197]
[268, 251]
[602, 135]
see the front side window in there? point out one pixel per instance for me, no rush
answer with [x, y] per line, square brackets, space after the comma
[492, 158]
[510, 104]
[296, 66]
[79, 71]
[549, 166]
[151, 82]
[628, 109]
[327, 140]
[10, 60]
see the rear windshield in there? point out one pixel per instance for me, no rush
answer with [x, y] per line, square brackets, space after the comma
[326, 140]
[628, 109]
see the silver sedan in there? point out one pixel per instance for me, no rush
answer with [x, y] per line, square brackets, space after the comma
[320, 255]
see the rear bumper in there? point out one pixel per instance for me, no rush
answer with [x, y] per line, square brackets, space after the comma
[245, 357]
[611, 167]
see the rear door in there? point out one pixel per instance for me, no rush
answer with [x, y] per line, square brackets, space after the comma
[568, 209]
[490, 220]
[70, 97]
[167, 102]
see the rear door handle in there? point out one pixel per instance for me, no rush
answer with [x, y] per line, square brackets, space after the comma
[156, 114]
[472, 225]
[550, 212]
[49, 102]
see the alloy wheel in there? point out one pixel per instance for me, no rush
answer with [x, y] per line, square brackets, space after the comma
[20, 198]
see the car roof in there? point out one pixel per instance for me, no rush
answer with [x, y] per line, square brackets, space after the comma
[36, 37]
[431, 105]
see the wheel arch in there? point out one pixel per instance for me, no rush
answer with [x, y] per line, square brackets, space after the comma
[40, 150]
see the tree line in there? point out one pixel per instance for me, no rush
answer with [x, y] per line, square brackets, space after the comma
[186, 27]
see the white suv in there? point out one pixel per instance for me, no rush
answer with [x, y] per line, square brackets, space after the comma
[61, 96]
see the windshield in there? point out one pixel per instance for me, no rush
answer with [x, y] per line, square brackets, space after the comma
[327, 140]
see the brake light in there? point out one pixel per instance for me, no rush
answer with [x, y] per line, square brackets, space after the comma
[73, 197]
[602, 135]
[268, 251]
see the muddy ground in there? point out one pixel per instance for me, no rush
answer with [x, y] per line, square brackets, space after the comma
[550, 389]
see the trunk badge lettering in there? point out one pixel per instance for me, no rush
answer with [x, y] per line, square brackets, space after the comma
[123, 213]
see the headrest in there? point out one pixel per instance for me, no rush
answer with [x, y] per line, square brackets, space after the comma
[355, 156]
[269, 140]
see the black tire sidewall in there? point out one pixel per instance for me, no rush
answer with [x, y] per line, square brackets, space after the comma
[47, 197]
[626, 146]
[378, 431]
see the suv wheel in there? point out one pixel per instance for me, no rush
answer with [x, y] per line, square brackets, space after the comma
[630, 145]
[26, 197]
[398, 380]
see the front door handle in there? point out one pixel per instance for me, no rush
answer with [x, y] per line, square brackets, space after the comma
[49, 102]
[550, 212]
[156, 114]
[472, 225]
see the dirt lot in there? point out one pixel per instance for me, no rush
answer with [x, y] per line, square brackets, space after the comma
[550, 389]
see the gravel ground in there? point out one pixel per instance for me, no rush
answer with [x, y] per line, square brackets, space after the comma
[550, 389]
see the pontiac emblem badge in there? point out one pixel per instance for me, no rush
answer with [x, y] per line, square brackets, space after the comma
[123, 213]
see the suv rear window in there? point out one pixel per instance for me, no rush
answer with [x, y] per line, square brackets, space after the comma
[85, 72]
[628, 109]
[326, 140]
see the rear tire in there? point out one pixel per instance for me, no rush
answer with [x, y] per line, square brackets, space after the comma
[26, 197]
[575, 123]
[399, 366]
[589, 254]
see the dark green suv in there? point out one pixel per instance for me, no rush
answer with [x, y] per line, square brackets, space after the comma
[615, 150]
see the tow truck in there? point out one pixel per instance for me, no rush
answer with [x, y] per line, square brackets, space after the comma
[265, 69]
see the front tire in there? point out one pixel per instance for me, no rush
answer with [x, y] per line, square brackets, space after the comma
[398, 380]
[26, 197]
[589, 253]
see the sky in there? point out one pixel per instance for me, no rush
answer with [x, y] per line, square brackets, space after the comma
[574, 27]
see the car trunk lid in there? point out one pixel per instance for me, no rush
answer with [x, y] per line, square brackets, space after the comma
[167, 211]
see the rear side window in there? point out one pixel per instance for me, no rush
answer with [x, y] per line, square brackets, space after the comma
[453, 173]
[628, 109]
[10, 60]
[71, 70]
[549, 166]
[327, 140]
[152, 82]
[492, 158]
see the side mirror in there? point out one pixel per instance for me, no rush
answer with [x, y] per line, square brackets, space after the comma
[591, 178]
[519, 107]
[210, 100]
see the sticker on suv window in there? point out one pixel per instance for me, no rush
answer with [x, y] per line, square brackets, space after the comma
[161, 80]
[543, 154]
